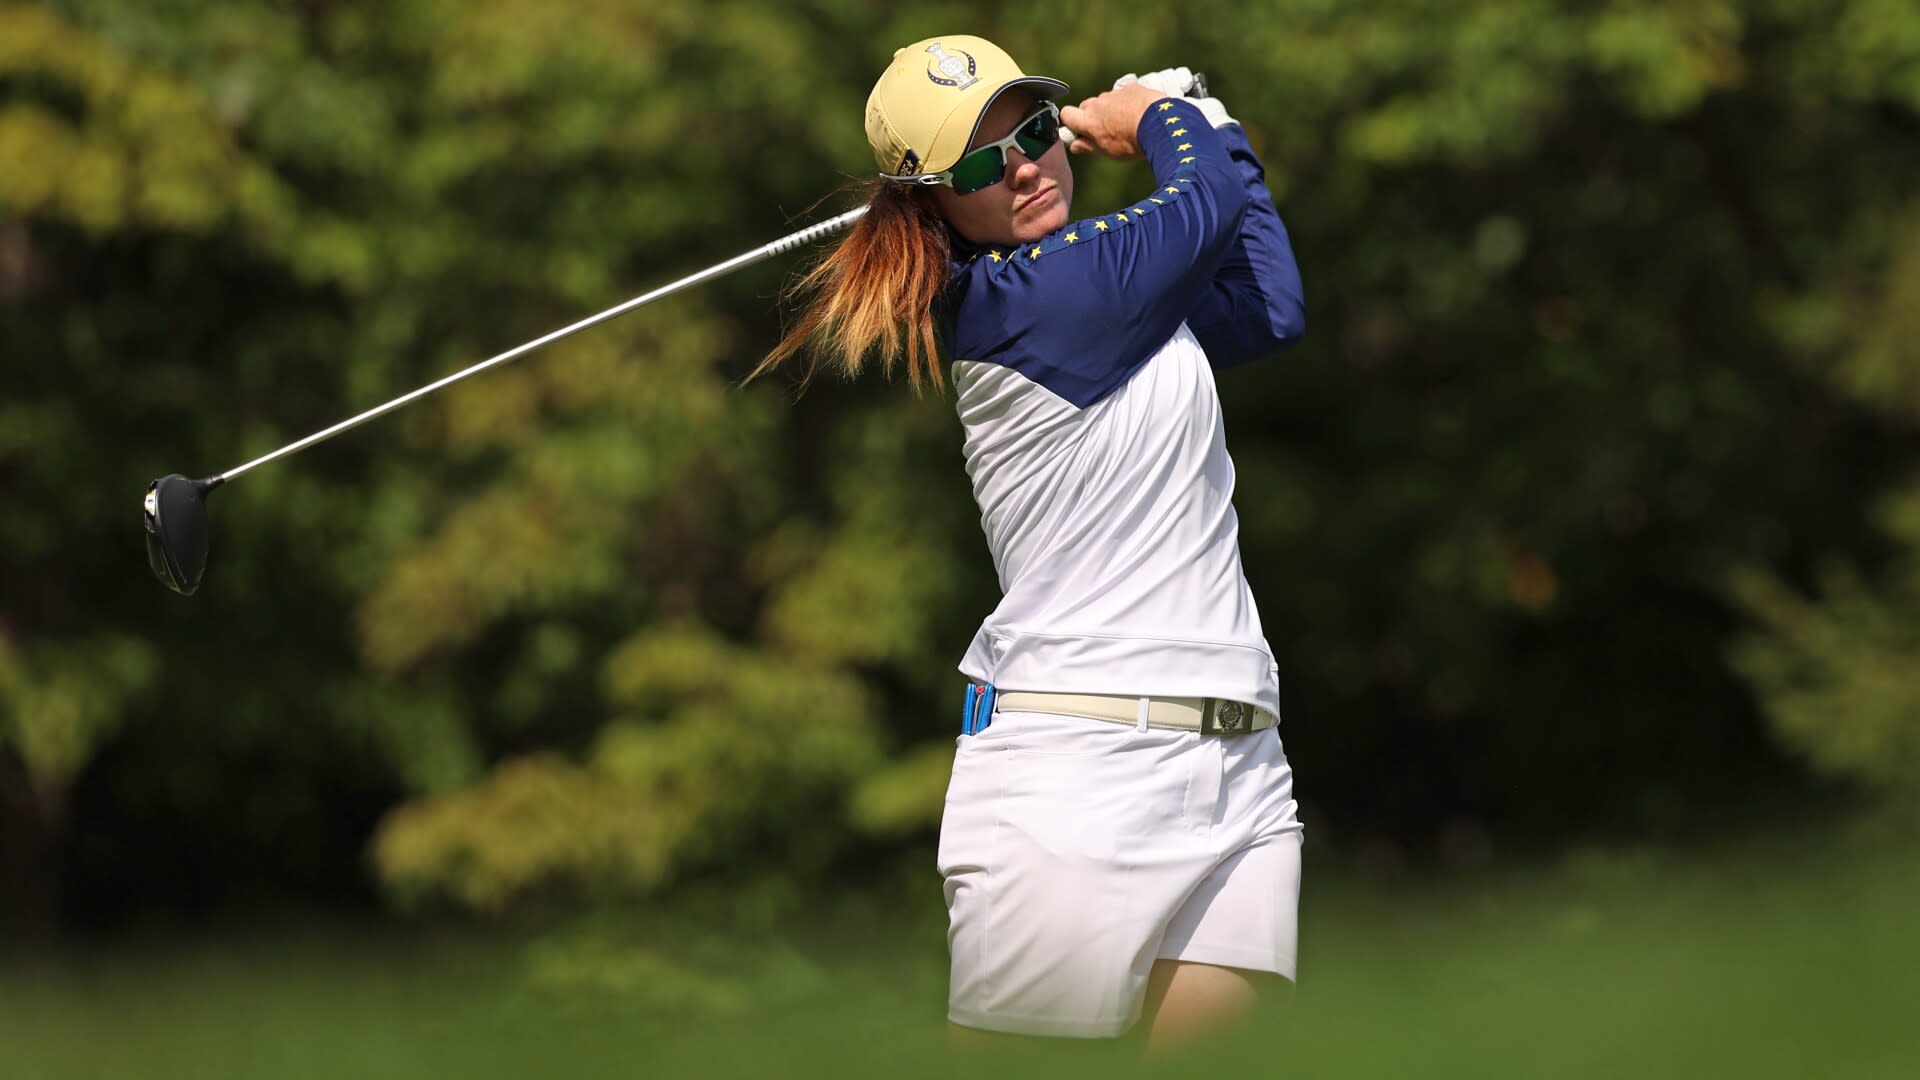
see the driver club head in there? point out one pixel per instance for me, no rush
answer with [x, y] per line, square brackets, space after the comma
[176, 519]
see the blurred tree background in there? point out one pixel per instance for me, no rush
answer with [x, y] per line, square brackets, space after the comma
[1591, 506]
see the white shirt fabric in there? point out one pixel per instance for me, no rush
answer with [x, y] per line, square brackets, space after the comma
[1113, 532]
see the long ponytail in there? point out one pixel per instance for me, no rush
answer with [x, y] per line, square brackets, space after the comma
[872, 296]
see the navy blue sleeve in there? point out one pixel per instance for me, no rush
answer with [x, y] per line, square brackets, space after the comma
[1255, 305]
[1082, 309]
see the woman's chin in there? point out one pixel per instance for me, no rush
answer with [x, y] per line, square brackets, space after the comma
[1050, 219]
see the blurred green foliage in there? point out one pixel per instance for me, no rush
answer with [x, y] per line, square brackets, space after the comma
[1841, 671]
[1602, 448]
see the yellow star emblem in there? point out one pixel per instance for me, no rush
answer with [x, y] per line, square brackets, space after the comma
[1121, 214]
[994, 255]
[1157, 202]
[1101, 225]
[1184, 146]
[1185, 160]
[1165, 105]
[1173, 191]
[1173, 119]
[1072, 236]
[1034, 254]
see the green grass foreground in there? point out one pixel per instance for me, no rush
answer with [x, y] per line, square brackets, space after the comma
[1784, 961]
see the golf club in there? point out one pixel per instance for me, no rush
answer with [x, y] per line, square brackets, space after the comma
[176, 506]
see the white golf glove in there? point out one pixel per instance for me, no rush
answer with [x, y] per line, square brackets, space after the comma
[1181, 83]
[1173, 82]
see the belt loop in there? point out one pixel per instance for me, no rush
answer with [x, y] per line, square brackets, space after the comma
[1146, 707]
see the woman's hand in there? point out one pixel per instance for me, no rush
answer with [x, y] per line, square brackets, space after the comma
[1110, 124]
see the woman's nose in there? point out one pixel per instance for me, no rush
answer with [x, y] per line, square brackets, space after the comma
[1021, 170]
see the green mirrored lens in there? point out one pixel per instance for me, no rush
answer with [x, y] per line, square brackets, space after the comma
[985, 167]
[1038, 135]
[980, 169]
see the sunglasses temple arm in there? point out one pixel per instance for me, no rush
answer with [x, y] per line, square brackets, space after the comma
[765, 251]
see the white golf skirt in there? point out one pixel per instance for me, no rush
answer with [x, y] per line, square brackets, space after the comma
[1077, 852]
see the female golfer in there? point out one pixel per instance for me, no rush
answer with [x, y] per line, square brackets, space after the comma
[1119, 839]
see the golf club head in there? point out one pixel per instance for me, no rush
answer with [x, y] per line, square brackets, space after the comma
[176, 518]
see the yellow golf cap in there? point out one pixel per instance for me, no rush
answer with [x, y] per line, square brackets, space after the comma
[928, 103]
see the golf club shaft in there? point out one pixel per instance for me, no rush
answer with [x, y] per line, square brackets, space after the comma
[777, 247]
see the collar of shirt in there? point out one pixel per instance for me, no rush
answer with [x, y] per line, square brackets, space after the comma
[961, 248]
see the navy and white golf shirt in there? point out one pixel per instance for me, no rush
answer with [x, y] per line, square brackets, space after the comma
[1084, 368]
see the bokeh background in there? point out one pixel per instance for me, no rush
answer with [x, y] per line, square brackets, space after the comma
[594, 716]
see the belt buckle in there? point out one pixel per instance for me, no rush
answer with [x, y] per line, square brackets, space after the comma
[1224, 717]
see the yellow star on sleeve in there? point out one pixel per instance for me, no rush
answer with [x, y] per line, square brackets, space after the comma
[1158, 202]
[1165, 105]
[1072, 236]
[1100, 225]
[1173, 191]
[1121, 214]
[1034, 254]
[1185, 160]
[1177, 132]
[1173, 119]
[1184, 146]
[994, 255]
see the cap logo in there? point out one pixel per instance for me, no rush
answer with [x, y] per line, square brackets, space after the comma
[909, 165]
[947, 70]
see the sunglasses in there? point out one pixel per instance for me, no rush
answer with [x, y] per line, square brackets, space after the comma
[985, 166]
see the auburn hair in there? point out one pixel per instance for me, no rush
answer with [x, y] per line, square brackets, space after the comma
[872, 296]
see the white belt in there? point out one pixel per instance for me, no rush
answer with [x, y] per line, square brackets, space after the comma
[1208, 716]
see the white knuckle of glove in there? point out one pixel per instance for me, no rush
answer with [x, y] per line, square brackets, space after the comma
[1179, 82]
[1211, 108]
[1173, 82]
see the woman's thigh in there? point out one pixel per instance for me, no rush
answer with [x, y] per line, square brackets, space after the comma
[1189, 1001]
